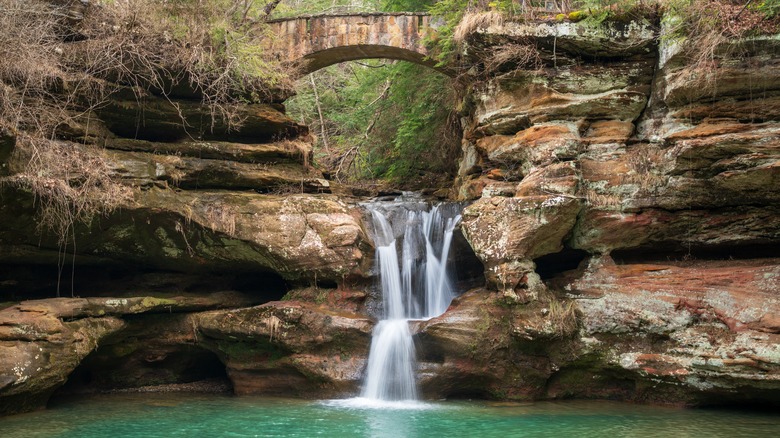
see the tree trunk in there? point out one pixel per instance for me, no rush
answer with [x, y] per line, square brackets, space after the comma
[269, 7]
[319, 112]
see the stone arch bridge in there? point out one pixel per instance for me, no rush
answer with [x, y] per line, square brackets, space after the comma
[315, 42]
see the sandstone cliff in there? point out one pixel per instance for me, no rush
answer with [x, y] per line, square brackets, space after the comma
[616, 191]
[627, 220]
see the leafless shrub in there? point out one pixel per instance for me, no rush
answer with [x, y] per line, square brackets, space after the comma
[70, 184]
[524, 56]
[287, 189]
[563, 317]
[212, 47]
[144, 46]
[476, 20]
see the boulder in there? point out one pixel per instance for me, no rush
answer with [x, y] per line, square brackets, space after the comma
[508, 233]
[485, 346]
[288, 347]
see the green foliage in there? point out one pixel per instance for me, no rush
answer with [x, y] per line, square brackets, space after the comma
[406, 5]
[221, 40]
[770, 8]
[459, 17]
[292, 8]
[577, 15]
[451, 12]
[597, 12]
[386, 121]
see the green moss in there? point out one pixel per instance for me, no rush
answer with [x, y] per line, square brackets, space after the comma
[123, 349]
[7, 304]
[151, 302]
[249, 352]
[577, 15]
[322, 297]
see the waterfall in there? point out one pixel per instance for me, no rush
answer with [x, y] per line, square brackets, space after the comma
[415, 287]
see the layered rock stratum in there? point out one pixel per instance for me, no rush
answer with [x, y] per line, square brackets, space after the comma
[625, 213]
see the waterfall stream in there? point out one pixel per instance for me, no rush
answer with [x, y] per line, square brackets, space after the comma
[414, 286]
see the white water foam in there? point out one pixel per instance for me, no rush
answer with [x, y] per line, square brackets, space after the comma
[416, 287]
[370, 403]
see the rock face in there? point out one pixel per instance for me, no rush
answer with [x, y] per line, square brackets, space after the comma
[289, 348]
[697, 332]
[690, 332]
[662, 186]
[196, 194]
[204, 204]
[43, 341]
[99, 344]
[626, 216]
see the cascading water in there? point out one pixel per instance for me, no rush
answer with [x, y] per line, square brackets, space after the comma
[417, 287]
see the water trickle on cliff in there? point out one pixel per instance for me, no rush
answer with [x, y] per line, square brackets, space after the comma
[412, 246]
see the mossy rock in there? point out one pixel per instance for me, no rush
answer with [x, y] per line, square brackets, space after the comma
[576, 16]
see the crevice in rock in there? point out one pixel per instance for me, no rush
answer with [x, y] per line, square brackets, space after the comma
[469, 271]
[139, 364]
[551, 265]
[680, 252]
[38, 281]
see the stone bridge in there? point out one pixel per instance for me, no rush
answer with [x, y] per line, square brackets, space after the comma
[315, 42]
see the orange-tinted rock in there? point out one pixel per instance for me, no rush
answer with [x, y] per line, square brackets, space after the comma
[608, 131]
[537, 145]
[559, 178]
[712, 321]
[709, 128]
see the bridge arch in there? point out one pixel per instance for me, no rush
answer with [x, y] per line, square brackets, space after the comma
[315, 42]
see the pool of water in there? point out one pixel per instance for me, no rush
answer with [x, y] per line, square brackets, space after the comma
[189, 415]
